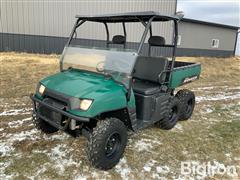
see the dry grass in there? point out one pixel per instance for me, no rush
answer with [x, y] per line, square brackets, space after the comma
[20, 72]
[212, 68]
[212, 134]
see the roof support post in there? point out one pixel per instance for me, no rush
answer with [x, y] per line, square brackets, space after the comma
[174, 48]
[76, 25]
[125, 34]
[107, 32]
[145, 34]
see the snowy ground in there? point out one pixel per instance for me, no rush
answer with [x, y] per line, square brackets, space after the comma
[211, 135]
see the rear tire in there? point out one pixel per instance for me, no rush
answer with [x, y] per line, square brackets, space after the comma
[42, 125]
[107, 143]
[171, 120]
[187, 103]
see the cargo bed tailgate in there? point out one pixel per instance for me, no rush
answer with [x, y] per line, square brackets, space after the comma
[184, 72]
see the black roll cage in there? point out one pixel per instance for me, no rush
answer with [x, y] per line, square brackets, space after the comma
[146, 18]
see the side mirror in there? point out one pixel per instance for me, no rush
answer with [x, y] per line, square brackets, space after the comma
[180, 14]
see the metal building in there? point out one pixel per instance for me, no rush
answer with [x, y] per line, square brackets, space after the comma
[200, 38]
[43, 26]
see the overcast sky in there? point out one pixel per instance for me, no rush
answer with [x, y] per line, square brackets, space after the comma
[218, 11]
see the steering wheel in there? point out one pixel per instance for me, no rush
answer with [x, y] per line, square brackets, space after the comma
[100, 66]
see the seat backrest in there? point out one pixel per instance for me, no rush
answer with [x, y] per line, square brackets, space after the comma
[149, 68]
[156, 41]
[118, 39]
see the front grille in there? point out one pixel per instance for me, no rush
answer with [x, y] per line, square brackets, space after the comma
[57, 97]
[52, 115]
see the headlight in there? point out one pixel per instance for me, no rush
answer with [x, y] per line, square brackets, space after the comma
[41, 89]
[85, 104]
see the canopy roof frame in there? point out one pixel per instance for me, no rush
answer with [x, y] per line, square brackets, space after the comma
[146, 18]
[128, 17]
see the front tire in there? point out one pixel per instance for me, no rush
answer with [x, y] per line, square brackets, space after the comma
[107, 143]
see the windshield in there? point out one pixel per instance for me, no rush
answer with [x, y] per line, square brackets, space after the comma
[109, 62]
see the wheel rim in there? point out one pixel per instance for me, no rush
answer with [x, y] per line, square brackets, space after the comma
[113, 144]
[189, 106]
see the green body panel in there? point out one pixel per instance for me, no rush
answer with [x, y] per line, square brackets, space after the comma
[107, 95]
[184, 75]
[131, 102]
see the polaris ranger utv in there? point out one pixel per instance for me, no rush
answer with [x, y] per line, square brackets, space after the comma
[102, 93]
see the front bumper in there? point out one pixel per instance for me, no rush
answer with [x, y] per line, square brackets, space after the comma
[57, 110]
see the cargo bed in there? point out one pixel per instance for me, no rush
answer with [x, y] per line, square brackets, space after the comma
[184, 72]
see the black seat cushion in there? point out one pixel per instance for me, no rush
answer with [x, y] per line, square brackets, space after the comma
[149, 68]
[145, 87]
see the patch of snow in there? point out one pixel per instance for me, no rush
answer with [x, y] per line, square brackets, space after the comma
[2, 134]
[5, 149]
[237, 114]
[218, 97]
[182, 177]
[60, 137]
[153, 140]
[14, 112]
[100, 175]
[4, 105]
[234, 88]
[148, 166]
[228, 155]
[39, 151]
[208, 110]
[185, 152]
[163, 169]
[211, 88]
[178, 127]
[156, 176]
[206, 88]
[123, 169]
[17, 123]
[227, 106]
[237, 158]
[143, 145]
[1, 129]
[59, 156]
[41, 170]
[23, 135]
[80, 178]
[156, 170]
[146, 144]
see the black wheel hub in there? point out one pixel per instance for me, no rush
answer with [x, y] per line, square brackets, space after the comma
[189, 106]
[173, 113]
[112, 145]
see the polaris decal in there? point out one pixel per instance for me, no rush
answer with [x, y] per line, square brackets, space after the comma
[190, 79]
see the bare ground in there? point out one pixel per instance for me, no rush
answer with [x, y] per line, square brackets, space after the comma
[211, 135]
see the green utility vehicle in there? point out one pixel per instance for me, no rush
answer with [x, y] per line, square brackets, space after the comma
[102, 93]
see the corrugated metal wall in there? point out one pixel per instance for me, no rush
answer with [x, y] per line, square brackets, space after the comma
[202, 35]
[43, 26]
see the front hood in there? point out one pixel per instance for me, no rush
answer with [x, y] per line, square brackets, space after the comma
[81, 84]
